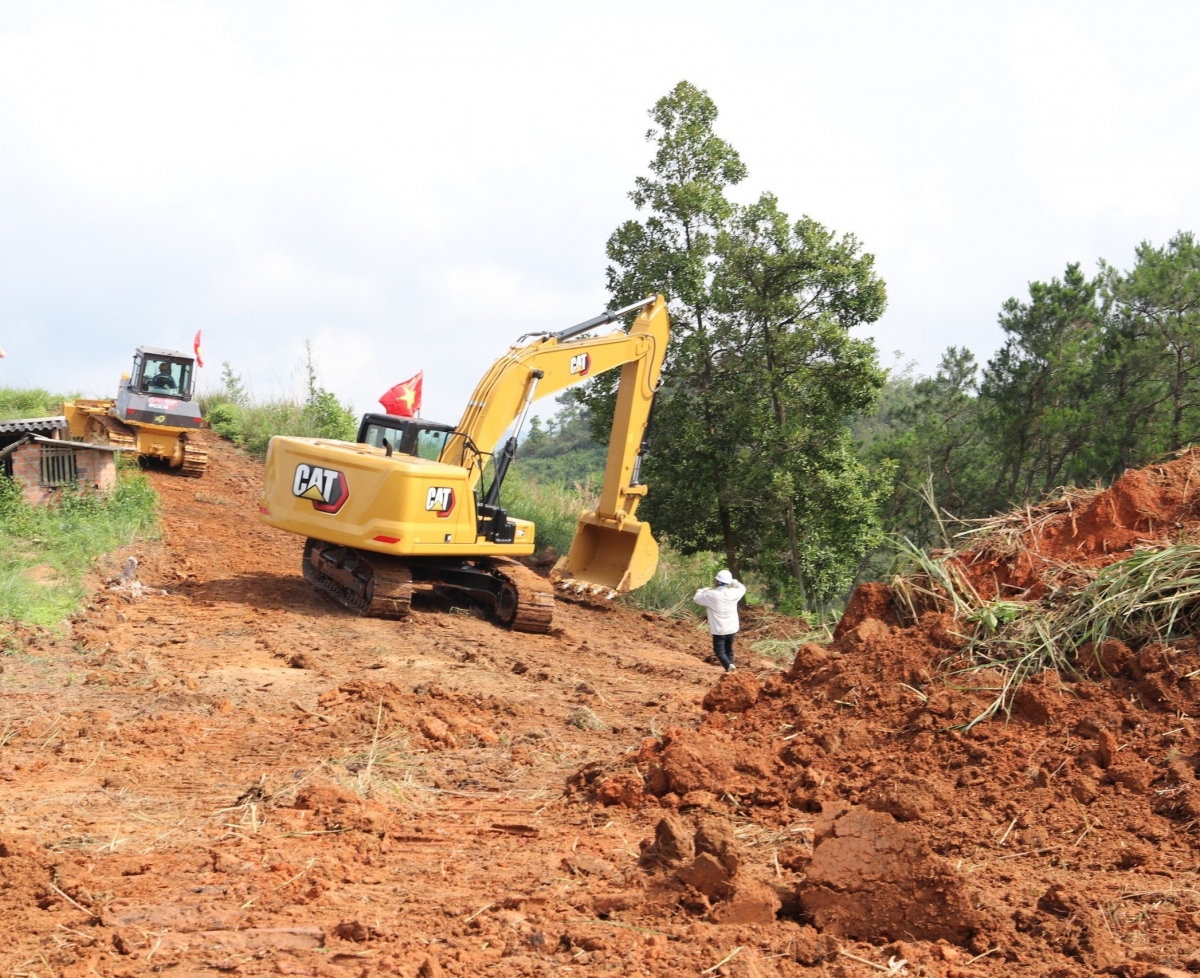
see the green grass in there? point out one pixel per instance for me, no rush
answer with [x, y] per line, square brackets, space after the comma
[31, 403]
[669, 592]
[554, 509]
[251, 426]
[46, 551]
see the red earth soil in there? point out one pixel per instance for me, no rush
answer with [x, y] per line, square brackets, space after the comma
[1085, 530]
[236, 776]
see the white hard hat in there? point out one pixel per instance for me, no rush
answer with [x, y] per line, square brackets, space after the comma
[724, 577]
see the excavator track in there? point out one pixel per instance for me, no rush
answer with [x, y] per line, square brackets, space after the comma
[378, 586]
[372, 585]
[533, 594]
[194, 461]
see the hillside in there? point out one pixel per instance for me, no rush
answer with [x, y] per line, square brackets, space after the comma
[232, 775]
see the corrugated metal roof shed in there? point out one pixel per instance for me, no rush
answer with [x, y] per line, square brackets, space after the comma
[63, 444]
[34, 424]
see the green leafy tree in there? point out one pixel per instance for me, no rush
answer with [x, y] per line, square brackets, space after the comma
[231, 391]
[1095, 376]
[930, 430]
[750, 451]
[324, 415]
[787, 296]
[1154, 349]
[671, 251]
[1040, 386]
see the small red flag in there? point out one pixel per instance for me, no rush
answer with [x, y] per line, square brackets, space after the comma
[196, 347]
[404, 400]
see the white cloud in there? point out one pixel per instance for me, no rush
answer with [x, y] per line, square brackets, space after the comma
[414, 186]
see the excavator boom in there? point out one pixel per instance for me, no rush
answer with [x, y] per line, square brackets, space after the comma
[612, 550]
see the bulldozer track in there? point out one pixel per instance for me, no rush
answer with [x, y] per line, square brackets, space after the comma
[194, 461]
[535, 596]
[113, 431]
[371, 585]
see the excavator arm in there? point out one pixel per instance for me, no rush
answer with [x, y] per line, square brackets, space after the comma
[612, 551]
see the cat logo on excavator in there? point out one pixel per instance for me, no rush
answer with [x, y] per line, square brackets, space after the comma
[327, 488]
[440, 500]
[581, 363]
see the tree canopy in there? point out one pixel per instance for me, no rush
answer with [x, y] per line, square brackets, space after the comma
[751, 452]
[1096, 375]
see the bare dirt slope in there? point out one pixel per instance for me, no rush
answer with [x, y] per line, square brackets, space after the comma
[237, 776]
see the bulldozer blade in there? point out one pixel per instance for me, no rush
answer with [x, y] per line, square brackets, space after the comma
[607, 556]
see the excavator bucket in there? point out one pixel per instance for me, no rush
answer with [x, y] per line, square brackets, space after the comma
[607, 556]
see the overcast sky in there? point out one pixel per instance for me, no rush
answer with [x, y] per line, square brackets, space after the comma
[413, 185]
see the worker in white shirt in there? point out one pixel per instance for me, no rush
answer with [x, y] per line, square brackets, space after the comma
[721, 602]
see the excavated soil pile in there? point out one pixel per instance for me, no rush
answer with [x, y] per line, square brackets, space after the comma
[1030, 551]
[1060, 840]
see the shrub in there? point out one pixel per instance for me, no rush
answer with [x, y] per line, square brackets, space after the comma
[226, 421]
[251, 424]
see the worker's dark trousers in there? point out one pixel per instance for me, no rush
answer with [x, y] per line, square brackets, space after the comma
[723, 647]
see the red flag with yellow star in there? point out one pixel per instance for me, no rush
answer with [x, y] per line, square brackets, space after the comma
[404, 400]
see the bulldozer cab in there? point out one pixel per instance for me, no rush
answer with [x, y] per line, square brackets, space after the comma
[408, 436]
[163, 373]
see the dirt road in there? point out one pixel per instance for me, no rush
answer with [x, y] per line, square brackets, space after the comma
[236, 774]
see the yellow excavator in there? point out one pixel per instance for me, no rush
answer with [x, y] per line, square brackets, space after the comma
[410, 503]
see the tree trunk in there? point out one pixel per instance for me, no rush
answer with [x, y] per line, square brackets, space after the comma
[794, 551]
[731, 558]
[1177, 417]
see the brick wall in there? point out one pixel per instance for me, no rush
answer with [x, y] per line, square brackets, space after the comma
[27, 471]
[97, 472]
[97, 469]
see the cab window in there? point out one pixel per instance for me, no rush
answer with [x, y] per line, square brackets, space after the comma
[378, 433]
[430, 442]
[167, 377]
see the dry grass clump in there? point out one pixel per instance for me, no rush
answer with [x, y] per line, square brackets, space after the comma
[1007, 533]
[584, 719]
[1152, 595]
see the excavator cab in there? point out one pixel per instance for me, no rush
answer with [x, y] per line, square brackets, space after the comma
[408, 436]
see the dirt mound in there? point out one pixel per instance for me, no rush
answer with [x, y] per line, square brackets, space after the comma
[1028, 552]
[1033, 839]
[871, 877]
[706, 861]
